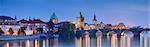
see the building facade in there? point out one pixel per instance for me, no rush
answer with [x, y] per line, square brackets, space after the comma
[80, 22]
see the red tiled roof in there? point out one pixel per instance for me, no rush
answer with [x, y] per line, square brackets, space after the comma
[37, 21]
[23, 21]
[31, 21]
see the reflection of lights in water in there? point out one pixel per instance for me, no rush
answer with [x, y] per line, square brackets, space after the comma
[98, 38]
[149, 41]
[36, 43]
[114, 40]
[98, 33]
[93, 42]
[7, 44]
[55, 43]
[21, 43]
[122, 34]
[86, 40]
[27, 43]
[128, 42]
[43, 43]
[126, 38]
[141, 41]
[78, 42]
[99, 41]
[108, 38]
[144, 39]
[145, 42]
[122, 41]
[125, 41]
[108, 34]
[47, 44]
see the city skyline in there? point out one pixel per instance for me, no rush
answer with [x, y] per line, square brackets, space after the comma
[132, 13]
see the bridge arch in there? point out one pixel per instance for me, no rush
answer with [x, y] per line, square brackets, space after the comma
[127, 33]
[110, 33]
[98, 33]
[86, 34]
[145, 33]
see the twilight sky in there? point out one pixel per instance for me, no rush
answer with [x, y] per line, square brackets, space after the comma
[130, 12]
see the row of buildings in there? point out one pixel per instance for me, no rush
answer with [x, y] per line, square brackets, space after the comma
[95, 24]
[53, 25]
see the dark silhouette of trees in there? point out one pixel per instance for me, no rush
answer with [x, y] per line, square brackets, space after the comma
[1, 32]
[10, 31]
[21, 32]
[39, 30]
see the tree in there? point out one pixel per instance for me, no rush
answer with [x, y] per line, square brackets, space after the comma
[1, 31]
[21, 32]
[10, 31]
[50, 25]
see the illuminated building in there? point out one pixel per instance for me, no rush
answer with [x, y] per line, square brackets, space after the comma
[54, 18]
[102, 25]
[80, 22]
[108, 26]
[120, 26]
[92, 26]
[53, 23]
[7, 22]
[33, 24]
[87, 27]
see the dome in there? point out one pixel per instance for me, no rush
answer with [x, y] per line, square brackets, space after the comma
[53, 16]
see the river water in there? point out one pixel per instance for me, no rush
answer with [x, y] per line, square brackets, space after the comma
[99, 41]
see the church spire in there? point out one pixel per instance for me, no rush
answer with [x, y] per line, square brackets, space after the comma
[53, 14]
[94, 19]
[15, 18]
[81, 15]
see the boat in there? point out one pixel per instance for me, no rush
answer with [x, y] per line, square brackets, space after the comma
[9, 37]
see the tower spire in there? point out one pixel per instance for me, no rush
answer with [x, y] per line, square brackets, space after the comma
[15, 18]
[54, 14]
[95, 17]
[81, 15]
[29, 18]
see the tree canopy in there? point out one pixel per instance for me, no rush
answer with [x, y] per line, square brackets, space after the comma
[1, 31]
[10, 31]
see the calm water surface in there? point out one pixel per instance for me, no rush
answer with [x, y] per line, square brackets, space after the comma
[107, 41]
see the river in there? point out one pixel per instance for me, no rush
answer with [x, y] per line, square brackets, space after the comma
[86, 41]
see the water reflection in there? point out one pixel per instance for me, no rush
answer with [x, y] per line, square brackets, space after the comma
[144, 41]
[78, 42]
[86, 41]
[98, 41]
[114, 40]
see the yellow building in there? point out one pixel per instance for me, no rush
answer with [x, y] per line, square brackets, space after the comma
[80, 22]
[120, 26]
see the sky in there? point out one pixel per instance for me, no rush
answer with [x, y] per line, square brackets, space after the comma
[130, 12]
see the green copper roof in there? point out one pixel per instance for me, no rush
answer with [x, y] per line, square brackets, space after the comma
[53, 16]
